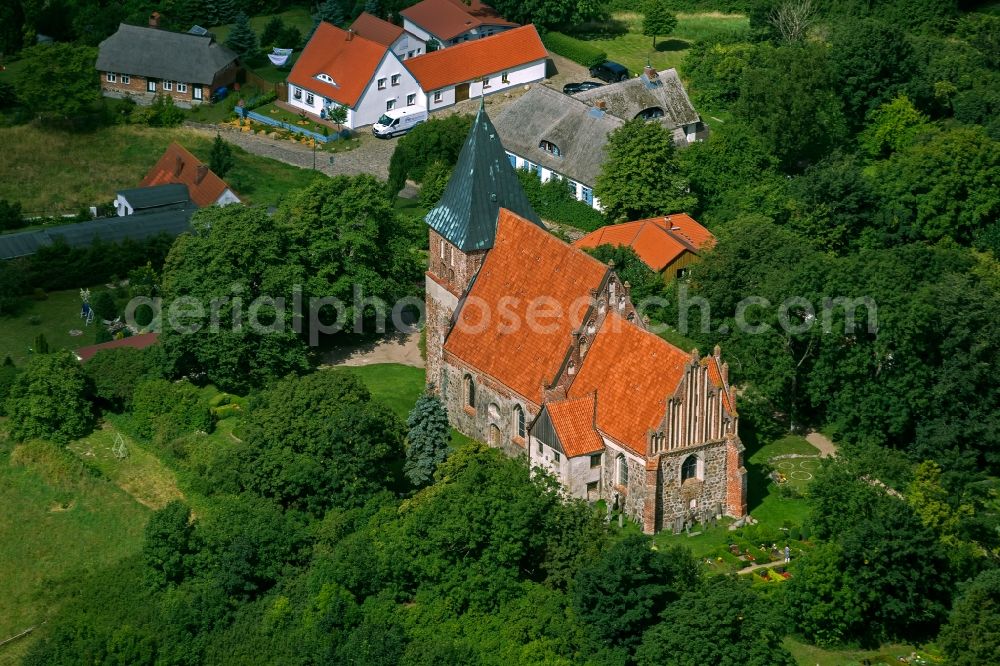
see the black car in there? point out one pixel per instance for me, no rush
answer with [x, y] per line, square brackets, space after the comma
[574, 88]
[609, 71]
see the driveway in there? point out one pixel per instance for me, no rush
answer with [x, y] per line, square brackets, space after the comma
[372, 155]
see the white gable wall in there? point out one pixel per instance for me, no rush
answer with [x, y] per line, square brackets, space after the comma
[418, 32]
[407, 43]
[373, 101]
[226, 198]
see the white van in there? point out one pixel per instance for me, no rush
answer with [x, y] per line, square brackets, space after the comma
[398, 121]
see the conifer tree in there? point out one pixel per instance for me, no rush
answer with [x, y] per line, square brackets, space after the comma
[242, 39]
[330, 11]
[427, 440]
[220, 161]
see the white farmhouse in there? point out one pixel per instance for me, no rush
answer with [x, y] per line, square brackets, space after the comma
[338, 67]
[557, 137]
[481, 67]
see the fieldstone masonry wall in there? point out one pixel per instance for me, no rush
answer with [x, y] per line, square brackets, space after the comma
[494, 406]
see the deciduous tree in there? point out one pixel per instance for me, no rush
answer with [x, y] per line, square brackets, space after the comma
[972, 634]
[58, 81]
[641, 177]
[49, 400]
[657, 19]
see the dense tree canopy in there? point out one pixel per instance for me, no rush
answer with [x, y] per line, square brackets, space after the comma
[63, 69]
[49, 400]
[641, 177]
[320, 441]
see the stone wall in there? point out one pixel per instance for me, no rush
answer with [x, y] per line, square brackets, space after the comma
[634, 494]
[710, 492]
[494, 406]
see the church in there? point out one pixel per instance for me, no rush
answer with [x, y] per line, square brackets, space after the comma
[536, 348]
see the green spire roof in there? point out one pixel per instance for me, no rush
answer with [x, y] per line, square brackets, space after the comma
[483, 182]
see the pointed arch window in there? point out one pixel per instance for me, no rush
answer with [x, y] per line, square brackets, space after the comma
[622, 465]
[470, 392]
[690, 468]
[519, 422]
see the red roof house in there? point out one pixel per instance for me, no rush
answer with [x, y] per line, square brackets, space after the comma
[450, 22]
[481, 67]
[178, 165]
[665, 244]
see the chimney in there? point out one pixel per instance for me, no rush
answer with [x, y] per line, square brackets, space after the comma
[650, 72]
[154, 20]
[200, 175]
[350, 34]
[178, 166]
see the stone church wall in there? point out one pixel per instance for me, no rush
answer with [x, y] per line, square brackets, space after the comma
[634, 494]
[710, 492]
[494, 406]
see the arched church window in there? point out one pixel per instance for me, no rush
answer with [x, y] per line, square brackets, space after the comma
[689, 468]
[519, 425]
[470, 392]
[622, 470]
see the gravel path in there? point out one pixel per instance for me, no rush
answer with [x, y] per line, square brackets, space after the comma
[371, 156]
[827, 449]
[396, 348]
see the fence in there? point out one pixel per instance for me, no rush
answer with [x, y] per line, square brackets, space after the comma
[256, 117]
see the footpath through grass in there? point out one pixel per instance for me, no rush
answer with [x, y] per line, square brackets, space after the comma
[58, 519]
[53, 172]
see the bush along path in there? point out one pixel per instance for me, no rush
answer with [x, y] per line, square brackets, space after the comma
[371, 157]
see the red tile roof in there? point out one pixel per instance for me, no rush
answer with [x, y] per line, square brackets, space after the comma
[177, 165]
[475, 59]
[573, 420]
[715, 376]
[447, 19]
[350, 60]
[135, 342]
[526, 267]
[376, 29]
[659, 241]
[633, 372]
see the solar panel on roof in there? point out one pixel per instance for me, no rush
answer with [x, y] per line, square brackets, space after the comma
[198, 30]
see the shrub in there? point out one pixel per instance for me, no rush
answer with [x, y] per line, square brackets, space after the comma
[49, 400]
[163, 112]
[11, 216]
[553, 202]
[576, 50]
[163, 411]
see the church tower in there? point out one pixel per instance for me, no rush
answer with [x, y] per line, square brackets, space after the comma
[463, 227]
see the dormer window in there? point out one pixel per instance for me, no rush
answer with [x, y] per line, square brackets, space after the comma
[326, 78]
[550, 148]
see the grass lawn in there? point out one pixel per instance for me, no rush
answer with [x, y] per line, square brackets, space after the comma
[810, 655]
[56, 317]
[52, 172]
[140, 474]
[634, 48]
[397, 385]
[58, 520]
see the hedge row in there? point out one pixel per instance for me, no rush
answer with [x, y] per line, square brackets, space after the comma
[576, 50]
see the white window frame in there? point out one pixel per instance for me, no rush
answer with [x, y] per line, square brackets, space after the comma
[411, 99]
[168, 86]
[182, 87]
[111, 77]
[151, 85]
[505, 77]
[381, 83]
[310, 98]
[296, 93]
[197, 92]
[126, 79]
[437, 96]
[394, 80]
[390, 104]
